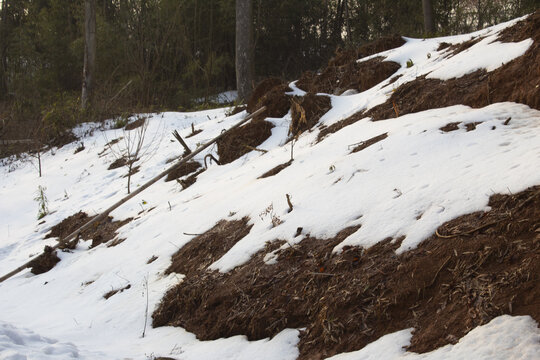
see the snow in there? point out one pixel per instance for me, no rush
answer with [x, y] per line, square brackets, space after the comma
[416, 170]
[504, 338]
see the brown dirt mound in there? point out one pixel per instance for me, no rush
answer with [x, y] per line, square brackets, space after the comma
[306, 112]
[183, 170]
[205, 249]
[380, 45]
[276, 170]
[242, 140]
[44, 262]
[522, 30]
[353, 75]
[270, 93]
[517, 81]
[101, 232]
[475, 268]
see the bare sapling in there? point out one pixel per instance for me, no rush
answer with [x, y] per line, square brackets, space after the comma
[135, 148]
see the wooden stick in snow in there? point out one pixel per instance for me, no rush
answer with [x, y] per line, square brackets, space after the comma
[106, 212]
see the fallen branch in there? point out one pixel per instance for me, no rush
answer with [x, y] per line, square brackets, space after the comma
[145, 186]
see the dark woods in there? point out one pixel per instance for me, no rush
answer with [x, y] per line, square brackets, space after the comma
[175, 54]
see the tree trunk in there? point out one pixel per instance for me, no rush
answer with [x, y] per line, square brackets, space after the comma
[429, 27]
[89, 51]
[3, 47]
[244, 49]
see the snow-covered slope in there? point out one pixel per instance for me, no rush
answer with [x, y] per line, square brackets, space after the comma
[405, 185]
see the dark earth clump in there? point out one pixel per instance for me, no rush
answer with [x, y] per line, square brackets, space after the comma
[183, 170]
[242, 140]
[44, 262]
[453, 126]
[99, 233]
[306, 112]
[270, 93]
[205, 249]
[474, 268]
[355, 75]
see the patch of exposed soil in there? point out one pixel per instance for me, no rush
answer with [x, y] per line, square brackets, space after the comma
[360, 76]
[270, 93]
[205, 249]
[522, 30]
[453, 126]
[118, 163]
[306, 112]
[369, 142]
[100, 232]
[476, 267]
[44, 262]
[183, 170]
[517, 81]
[107, 295]
[242, 140]
[275, 170]
[135, 124]
[443, 45]
[382, 44]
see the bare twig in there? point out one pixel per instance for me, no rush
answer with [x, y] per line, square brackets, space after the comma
[289, 202]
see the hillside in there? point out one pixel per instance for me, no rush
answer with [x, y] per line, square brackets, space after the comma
[387, 207]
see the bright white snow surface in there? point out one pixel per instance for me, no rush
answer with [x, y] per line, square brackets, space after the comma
[416, 170]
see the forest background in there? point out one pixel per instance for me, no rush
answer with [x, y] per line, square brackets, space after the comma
[157, 55]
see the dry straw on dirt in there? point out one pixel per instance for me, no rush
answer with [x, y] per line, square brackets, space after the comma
[473, 269]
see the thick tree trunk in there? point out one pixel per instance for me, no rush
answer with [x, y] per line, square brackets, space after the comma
[89, 51]
[244, 49]
[429, 26]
